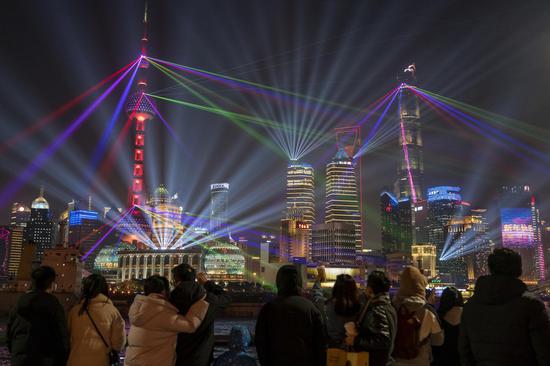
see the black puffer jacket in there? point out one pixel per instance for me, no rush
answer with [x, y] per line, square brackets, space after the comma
[37, 331]
[197, 349]
[289, 330]
[502, 325]
[377, 330]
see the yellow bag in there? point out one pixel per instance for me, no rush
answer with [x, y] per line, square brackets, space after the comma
[357, 359]
[340, 357]
[336, 357]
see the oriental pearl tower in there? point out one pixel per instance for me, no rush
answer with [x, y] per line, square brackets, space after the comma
[140, 112]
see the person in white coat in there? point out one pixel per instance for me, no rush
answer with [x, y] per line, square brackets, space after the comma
[155, 324]
[87, 346]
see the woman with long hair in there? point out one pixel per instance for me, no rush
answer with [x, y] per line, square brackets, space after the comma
[343, 306]
[96, 328]
[450, 313]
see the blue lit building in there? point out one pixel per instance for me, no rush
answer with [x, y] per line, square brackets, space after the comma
[84, 232]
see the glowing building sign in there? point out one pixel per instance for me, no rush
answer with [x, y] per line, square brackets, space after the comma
[444, 193]
[517, 227]
[76, 216]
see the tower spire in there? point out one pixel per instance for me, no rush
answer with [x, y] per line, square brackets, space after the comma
[144, 39]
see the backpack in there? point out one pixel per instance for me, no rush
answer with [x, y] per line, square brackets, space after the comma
[407, 340]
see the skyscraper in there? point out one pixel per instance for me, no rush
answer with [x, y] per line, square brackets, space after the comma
[141, 111]
[444, 204]
[411, 165]
[342, 194]
[5, 236]
[468, 241]
[84, 233]
[521, 230]
[389, 223]
[334, 243]
[300, 190]
[219, 203]
[20, 215]
[40, 229]
[294, 242]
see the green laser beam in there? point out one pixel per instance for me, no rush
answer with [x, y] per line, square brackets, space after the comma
[267, 87]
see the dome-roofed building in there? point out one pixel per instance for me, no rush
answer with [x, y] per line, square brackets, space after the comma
[224, 262]
[40, 203]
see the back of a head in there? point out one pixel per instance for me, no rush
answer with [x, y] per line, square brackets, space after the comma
[42, 278]
[288, 280]
[239, 338]
[184, 272]
[504, 261]
[378, 282]
[450, 298]
[156, 285]
[345, 295]
[92, 286]
[412, 283]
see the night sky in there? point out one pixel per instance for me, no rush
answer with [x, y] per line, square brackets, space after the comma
[491, 54]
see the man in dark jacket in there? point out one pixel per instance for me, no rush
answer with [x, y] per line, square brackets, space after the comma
[37, 330]
[289, 329]
[377, 324]
[502, 324]
[196, 349]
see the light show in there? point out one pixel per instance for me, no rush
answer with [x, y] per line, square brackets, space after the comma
[517, 228]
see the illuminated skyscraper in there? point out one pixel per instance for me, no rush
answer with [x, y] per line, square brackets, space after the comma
[219, 204]
[84, 233]
[389, 223]
[342, 193]
[334, 243]
[5, 236]
[300, 190]
[40, 229]
[17, 234]
[20, 215]
[294, 242]
[141, 112]
[411, 165]
[469, 244]
[521, 230]
[444, 204]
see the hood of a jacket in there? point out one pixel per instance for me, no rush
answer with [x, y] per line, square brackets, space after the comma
[412, 303]
[239, 339]
[145, 308]
[288, 281]
[498, 289]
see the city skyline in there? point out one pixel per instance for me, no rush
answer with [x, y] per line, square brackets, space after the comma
[245, 166]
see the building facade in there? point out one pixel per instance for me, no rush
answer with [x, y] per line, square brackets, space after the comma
[40, 229]
[219, 204]
[140, 264]
[424, 258]
[84, 232]
[334, 243]
[300, 190]
[342, 203]
[410, 170]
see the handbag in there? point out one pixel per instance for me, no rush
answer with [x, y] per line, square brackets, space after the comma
[346, 356]
[114, 358]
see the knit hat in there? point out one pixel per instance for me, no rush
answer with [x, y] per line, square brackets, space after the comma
[412, 283]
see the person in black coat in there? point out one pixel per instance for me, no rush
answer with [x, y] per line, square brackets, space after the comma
[37, 330]
[449, 313]
[289, 329]
[196, 349]
[377, 325]
[503, 325]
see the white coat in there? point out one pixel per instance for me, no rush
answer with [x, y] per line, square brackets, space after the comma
[86, 346]
[155, 324]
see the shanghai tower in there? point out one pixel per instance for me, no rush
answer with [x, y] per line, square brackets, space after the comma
[410, 170]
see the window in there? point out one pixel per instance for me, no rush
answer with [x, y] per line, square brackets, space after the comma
[140, 125]
[140, 140]
[138, 155]
[138, 170]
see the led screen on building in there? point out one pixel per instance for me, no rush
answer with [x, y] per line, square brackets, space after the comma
[516, 227]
